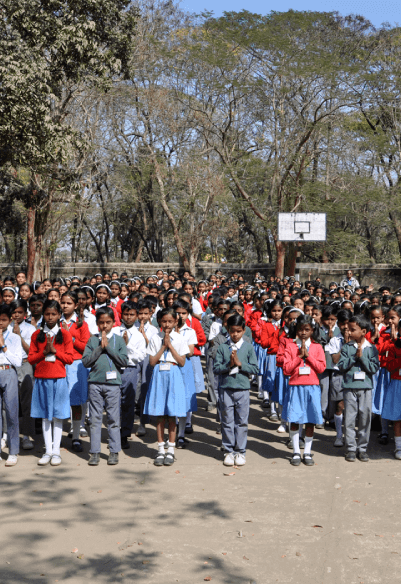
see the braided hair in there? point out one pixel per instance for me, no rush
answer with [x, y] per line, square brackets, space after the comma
[59, 336]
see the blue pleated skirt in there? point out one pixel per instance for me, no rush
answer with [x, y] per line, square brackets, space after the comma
[188, 377]
[270, 375]
[50, 399]
[380, 390]
[286, 394]
[198, 373]
[279, 381]
[304, 404]
[77, 381]
[166, 393]
[391, 409]
[262, 359]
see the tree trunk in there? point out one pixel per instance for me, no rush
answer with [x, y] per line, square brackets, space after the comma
[31, 244]
[280, 251]
[139, 252]
[291, 259]
[397, 228]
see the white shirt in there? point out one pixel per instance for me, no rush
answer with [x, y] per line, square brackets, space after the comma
[178, 342]
[27, 331]
[13, 355]
[52, 332]
[334, 346]
[238, 345]
[299, 342]
[215, 329]
[196, 306]
[364, 344]
[136, 348]
[90, 320]
[150, 330]
[189, 335]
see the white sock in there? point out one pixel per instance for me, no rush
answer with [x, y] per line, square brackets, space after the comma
[272, 407]
[280, 410]
[294, 435]
[76, 424]
[397, 440]
[83, 416]
[308, 444]
[260, 381]
[170, 449]
[301, 430]
[4, 437]
[47, 435]
[188, 421]
[160, 448]
[384, 426]
[57, 433]
[181, 427]
[338, 420]
[265, 395]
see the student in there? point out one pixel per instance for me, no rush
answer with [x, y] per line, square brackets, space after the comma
[25, 292]
[77, 374]
[358, 363]
[303, 361]
[327, 329]
[392, 399]
[88, 317]
[166, 394]
[115, 300]
[10, 358]
[50, 351]
[102, 296]
[36, 303]
[272, 312]
[9, 294]
[333, 348]
[235, 362]
[254, 320]
[219, 307]
[24, 371]
[105, 354]
[136, 351]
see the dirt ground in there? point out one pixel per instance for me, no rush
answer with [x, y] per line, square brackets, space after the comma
[337, 522]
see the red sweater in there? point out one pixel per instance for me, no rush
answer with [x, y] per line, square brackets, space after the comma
[255, 324]
[81, 336]
[292, 362]
[269, 337]
[117, 303]
[197, 327]
[116, 317]
[393, 361]
[64, 356]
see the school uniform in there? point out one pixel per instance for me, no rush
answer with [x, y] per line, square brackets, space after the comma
[90, 320]
[334, 347]
[281, 392]
[77, 373]
[213, 326]
[116, 317]
[25, 379]
[196, 306]
[104, 387]
[166, 393]
[325, 376]
[187, 371]
[195, 359]
[381, 378]
[357, 389]
[234, 393]
[9, 361]
[267, 342]
[50, 396]
[392, 400]
[144, 374]
[136, 351]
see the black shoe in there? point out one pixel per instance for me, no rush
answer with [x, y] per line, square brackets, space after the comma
[189, 429]
[180, 442]
[218, 431]
[265, 403]
[94, 459]
[159, 460]
[124, 443]
[296, 459]
[383, 439]
[168, 459]
[113, 458]
[289, 444]
[363, 457]
[308, 460]
[350, 456]
[77, 446]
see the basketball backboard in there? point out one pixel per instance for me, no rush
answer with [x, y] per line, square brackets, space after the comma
[302, 226]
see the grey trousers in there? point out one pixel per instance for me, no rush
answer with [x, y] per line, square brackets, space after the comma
[213, 396]
[100, 395]
[9, 397]
[25, 387]
[129, 380]
[357, 403]
[234, 411]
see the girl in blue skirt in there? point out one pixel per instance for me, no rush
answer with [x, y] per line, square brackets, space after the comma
[166, 394]
[392, 398]
[304, 360]
[183, 311]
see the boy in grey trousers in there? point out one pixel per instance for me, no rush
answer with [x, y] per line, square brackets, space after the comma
[235, 362]
[358, 363]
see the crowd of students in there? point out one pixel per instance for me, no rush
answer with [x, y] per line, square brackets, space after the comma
[72, 349]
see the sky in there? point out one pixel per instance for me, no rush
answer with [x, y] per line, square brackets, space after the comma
[377, 11]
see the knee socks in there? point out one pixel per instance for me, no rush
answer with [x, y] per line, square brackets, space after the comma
[47, 436]
[76, 425]
[294, 435]
[57, 433]
[308, 444]
[188, 421]
[260, 381]
[181, 426]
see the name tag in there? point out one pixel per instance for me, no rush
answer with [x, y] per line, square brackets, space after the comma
[111, 375]
[234, 370]
[50, 358]
[164, 367]
[359, 375]
[304, 370]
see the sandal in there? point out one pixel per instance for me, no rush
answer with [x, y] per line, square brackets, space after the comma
[168, 459]
[159, 460]
[296, 459]
[383, 439]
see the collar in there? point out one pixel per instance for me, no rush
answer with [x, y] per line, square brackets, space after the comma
[52, 331]
[236, 345]
[299, 342]
[364, 344]
[73, 318]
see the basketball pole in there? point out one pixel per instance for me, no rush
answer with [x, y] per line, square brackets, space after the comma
[298, 260]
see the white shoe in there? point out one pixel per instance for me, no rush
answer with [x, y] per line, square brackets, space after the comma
[46, 458]
[229, 459]
[55, 460]
[240, 459]
[141, 430]
[83, 432]
[3, 443]
[338, 442]
[281, 429]
[12, 460]
[26, 443]
[397, 454]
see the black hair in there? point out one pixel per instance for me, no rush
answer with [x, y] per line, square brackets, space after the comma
[19, 304]
[59, 336]
[361, 307]
[129, 306]
[361, 321]
[343, 315]
[38, 298]
[104, 310]
[236, 320]
[396, 309]
[145, 304]
[221, 302]
[52, 290]
[151, 299]
[172, 312]
[6, 309]
[327, 311]
[179, 303]
[302, 320]
[26, 284]
[269, 305]
[11, 278]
